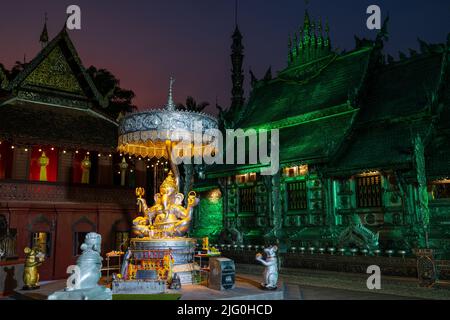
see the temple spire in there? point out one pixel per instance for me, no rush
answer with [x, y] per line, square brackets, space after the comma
[311, 43]
[44, 35]
[320, 35]
[290, 55]
[307, 21]
[170, 104]
[237, 77]
[236, 8]
[327, 39]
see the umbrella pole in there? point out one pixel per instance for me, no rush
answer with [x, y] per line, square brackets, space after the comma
[173, 166]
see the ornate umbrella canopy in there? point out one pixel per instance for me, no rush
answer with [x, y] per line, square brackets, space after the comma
[154, 133]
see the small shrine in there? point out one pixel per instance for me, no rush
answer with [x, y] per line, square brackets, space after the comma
[160, 249]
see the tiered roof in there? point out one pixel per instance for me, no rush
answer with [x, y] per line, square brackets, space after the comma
[350, 111]
[395, 109]
[54, 101]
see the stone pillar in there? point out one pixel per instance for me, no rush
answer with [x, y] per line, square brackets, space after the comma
[105, 170]
[65, 163]
[276, 203]
[21, 164]
[329, 200]
[141, 173]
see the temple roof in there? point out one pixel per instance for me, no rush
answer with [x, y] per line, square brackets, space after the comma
[309, 142]
[312, 87]
[57, 70]
[54, 101]
[378, 147]
[352, 112]
[26, 124]
[402, 88]
[395, 109]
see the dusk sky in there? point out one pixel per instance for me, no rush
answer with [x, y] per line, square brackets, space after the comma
[144, 42]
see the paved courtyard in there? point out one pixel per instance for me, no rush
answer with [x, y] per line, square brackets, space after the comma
[323, 285]
[301, 284]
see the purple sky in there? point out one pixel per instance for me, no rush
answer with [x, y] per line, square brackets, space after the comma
[143, 42]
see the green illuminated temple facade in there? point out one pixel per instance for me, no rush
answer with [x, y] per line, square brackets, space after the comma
[364, 149]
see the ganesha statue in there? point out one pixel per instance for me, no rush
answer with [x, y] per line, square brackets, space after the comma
[167, 218]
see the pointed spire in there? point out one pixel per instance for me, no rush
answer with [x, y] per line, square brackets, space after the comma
[170, 104]
[327, 42]
[44, 35]
[310, 43]
[320, 35]
[290, 55]
[236, 12]
[237, 76]
[313, 34]
[295, 45]
[300, 43]
[307, 21]
[306, 30]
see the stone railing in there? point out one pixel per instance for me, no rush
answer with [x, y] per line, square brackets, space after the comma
[391, 263]
[12, 191]
[348, 262]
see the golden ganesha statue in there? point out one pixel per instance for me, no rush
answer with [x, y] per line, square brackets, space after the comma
[168, 218]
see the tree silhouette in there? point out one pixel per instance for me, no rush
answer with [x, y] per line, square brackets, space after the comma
[120, 100]
[191, 105]
[16, 69]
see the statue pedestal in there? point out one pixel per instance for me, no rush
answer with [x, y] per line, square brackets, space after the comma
[96, 293]
[138, 287]
[183, 250]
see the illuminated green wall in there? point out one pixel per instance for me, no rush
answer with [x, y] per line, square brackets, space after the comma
[208, 215]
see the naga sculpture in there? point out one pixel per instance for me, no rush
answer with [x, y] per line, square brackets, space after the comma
[357, 234]
[90, 261]
[83, 284]
[167, 218]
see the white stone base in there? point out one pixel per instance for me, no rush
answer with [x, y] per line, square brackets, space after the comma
[138, 287]
[97, 293]
[185, 272]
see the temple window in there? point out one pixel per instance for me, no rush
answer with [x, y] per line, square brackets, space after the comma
[78, 240]
[246, 178]
[368, 191]
[441, 189]
[122, 240]
[42, 241]
[247, 199]
[297, 195]
[298, 171]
